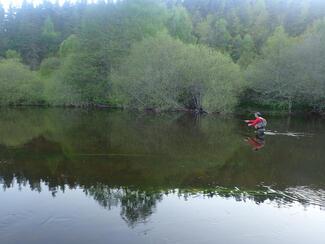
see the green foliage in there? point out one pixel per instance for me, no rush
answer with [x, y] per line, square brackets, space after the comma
[3, 36]
[12, 54]
[69, 46]
[309, 58]
[49, 65]
[260, 22]
[129, 21]
[50, 38]
[103, 41]
[247, 51]
[220, 36]
[147, 78]
[48, 31]
[59, 93]
[179, 24]
[84, 73]
[202, 31]
[214, 33]
[291, 71]
[75, 47]
[277, 43]
[165, 73]
[272, 76]
[18, 85]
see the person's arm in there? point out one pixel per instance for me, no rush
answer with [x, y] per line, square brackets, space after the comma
[254, 122]
[249, 121]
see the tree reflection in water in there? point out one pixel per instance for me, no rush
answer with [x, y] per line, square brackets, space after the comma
[136, 205]
[131, 161]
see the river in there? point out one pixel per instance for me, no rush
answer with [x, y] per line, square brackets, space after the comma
[99, 176]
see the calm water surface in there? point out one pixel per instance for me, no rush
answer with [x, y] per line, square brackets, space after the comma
[85, 176]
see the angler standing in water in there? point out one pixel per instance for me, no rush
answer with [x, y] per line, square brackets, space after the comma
[258, 123]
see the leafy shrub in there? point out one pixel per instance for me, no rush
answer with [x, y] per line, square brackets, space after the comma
[164, 73]
[19, 85]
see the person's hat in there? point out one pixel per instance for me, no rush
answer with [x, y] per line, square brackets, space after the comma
[258, 114]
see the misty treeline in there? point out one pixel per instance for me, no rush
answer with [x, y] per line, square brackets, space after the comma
[215, 55]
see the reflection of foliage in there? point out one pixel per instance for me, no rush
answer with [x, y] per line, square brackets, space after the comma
[169, 150]
[105, 153]
[261, 194]
[122, 141]
[19, 126]
[136, 205]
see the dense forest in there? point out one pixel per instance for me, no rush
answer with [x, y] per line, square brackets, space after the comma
[215, 55]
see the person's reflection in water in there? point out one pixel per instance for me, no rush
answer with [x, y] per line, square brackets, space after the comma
[257, 142]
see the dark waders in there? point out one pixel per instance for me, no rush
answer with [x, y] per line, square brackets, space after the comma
[260, 132]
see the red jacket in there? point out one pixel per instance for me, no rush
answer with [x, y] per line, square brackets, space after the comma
[255, 121]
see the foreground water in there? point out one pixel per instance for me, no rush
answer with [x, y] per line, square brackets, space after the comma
[78, 176]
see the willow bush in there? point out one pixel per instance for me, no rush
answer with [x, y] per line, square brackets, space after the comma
[166, 74]
[18, 84]
[290, 72]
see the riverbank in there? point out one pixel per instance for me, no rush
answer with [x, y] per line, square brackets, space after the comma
[239, 111]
